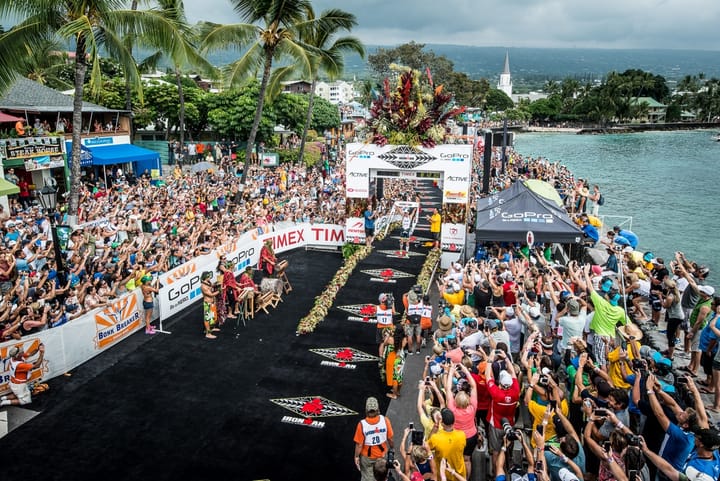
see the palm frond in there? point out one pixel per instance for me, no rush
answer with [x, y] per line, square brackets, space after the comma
[235, 36]
[277, 77]
[251, 61]
[16, 47]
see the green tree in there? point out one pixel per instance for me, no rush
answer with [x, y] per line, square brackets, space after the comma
[325, 116]
[328, 53]
[269, 33]
[230, 113]
[182, 57]
[497, 100]
[93, 27]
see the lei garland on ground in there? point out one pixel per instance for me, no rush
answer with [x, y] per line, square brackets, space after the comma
[324, 301]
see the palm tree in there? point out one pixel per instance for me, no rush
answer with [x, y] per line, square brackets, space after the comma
[270, 33]
[175, 10]
[328, 57]
[93, 27]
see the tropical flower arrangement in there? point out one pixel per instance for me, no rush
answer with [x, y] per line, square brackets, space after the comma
[413, 113]
[324, 301]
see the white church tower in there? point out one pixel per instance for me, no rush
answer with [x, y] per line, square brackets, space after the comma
[505, 83]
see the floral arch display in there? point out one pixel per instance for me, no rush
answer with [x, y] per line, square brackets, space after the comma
[408, 139]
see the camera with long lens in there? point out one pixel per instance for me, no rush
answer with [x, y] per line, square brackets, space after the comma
[510, 433]
[389, 299]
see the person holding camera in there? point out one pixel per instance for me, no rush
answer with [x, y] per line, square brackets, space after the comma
[504, 393]
[448, 444]
[373, 440]
[384, 468]
[418, 458]
[464, 404]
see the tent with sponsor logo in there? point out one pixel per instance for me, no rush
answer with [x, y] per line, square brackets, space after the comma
[510, 218]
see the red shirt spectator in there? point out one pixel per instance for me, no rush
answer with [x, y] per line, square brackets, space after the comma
[504, 401]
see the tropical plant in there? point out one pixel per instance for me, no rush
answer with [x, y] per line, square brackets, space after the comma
[328, 54]
[94, 27]
[182, 57]
[270, 32]
[407, 116]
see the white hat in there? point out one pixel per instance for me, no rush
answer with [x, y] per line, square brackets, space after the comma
[457, 266]
[455, 287]
[534, 311]
[628, 249]
[477, 278]
[509, 311]
[707, 290]
[505, 379]
[566, 475]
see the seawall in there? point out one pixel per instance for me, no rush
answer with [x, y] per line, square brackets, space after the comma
[632, 128]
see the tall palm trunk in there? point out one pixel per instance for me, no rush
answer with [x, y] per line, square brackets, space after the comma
[80, 70]
[258, 111]
[308, 119]
[178, 79]
[131, 40]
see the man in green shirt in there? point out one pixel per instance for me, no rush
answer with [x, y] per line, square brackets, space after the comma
[608, 314]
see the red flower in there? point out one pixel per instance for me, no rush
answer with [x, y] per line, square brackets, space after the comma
[345, 355]
[368, 310]
[313, 407]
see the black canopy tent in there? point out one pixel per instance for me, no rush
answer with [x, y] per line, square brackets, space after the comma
[510, 220]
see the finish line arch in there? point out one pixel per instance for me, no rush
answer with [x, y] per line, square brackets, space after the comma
[450, 165]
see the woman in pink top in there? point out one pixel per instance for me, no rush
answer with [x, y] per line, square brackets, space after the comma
[463, 405]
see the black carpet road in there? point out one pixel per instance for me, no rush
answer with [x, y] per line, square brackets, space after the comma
[178, 406]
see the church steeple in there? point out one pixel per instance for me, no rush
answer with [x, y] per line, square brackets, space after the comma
[505, 83]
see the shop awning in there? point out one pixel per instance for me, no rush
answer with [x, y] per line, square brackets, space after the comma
[121, 153]
[8, 118]
[8, 188]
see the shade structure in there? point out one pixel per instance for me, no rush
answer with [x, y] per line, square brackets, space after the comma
[8, 188]
[122, 153]
[511, 220]
[545, 190]
[5, 118]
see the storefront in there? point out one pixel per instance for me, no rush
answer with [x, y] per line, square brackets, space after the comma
[35, 160]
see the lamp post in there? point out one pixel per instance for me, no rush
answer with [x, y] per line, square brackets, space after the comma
[48, 199]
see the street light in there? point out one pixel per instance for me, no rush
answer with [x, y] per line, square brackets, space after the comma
[48, 199]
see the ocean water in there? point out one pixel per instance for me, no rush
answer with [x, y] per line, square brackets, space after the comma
[668, 182]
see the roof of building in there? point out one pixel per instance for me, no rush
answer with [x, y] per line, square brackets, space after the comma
[506, 68]
[26, 94]
[651, 102]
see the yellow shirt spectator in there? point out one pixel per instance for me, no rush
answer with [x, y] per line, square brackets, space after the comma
[537, 411]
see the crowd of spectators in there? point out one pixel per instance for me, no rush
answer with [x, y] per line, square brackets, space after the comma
[130, 230]
[543, 366]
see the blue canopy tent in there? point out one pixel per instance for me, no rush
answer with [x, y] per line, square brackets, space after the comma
[123, 153]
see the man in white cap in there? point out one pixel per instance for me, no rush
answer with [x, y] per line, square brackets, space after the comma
[504, 393]
[373, 439]
[20, 371]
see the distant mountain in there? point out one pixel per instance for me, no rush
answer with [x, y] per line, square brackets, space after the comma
[540, 64]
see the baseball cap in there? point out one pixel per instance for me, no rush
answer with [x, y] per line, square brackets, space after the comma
[371, 404]
[14, 351]
[573, 307]
[505, 379]
[566, 475]
[534, 312]
[707, 290]
[509, 311]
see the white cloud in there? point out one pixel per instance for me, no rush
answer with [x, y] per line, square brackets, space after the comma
[683, 24]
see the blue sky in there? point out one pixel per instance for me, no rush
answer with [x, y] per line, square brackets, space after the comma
[675, 24]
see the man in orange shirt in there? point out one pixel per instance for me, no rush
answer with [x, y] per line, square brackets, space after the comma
[373, 439]
[20, 375]
[20, 128]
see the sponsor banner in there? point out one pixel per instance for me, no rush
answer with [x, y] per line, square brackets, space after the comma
[357, 183]
[325, 235]
[355, 230]
[105, 140]
[102, 222]
[117, 321]
[453, 236]
[44, 162]
[74, 343]
[180, 287]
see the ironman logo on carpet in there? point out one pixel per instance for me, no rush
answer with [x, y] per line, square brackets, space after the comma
[311, 407]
